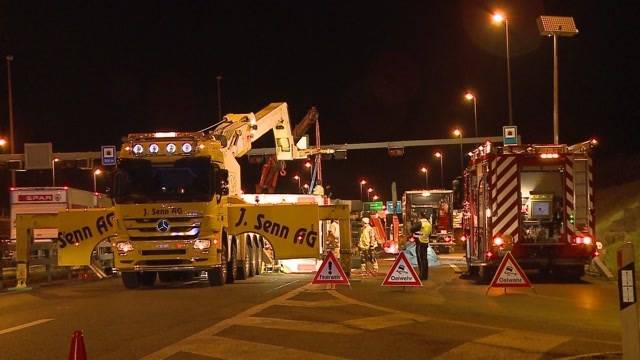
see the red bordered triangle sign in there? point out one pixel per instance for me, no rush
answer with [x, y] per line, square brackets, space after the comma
[401, 273]
[330, 272]
[510, 274]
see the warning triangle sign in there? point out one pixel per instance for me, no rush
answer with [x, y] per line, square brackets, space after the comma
[510, 274]
[401, 273]
[330, 272]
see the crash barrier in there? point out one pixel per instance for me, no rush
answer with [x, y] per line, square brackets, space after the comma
[77, 351]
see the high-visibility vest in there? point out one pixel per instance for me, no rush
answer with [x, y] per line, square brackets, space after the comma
[425, 230]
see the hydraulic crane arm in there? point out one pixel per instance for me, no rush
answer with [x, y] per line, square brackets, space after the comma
[241, 130]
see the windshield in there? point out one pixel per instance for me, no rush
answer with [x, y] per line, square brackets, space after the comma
[185, 180]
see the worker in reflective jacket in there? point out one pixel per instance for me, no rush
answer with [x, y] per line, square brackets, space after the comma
[367, 245]
[422, 246]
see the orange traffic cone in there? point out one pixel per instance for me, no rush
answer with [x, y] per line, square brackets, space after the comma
[77, 350]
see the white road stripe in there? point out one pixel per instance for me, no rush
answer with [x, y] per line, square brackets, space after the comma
[281, 286]
[455, 268]
[24, 326]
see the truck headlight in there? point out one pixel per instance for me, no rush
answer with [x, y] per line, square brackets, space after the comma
[202, 244]
[124, 247]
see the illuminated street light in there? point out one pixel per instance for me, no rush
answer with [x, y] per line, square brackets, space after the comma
[3, 142]
[369, 190]
[53, 170]
[375, 197]
[426, 175]
[439, 155]
[556, 26]
[297, 178]
[471, 97]
[96, 172]
[499, 18]
[362, 182]
[458, 133]
[305, 186]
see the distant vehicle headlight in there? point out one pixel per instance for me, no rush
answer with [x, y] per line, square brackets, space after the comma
[202, 244]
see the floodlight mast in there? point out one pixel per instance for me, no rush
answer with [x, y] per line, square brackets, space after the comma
[556, 26]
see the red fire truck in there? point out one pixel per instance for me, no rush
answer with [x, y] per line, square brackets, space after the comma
[533, 200]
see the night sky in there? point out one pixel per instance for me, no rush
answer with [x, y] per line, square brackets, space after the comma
[87, 72]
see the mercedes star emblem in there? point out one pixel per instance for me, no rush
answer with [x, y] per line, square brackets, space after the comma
[163, 225]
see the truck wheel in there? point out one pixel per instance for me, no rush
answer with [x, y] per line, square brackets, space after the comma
[217, 276]
[130, 280]
[244, 266]
[258, 255]
[148, 278]
[232, 265]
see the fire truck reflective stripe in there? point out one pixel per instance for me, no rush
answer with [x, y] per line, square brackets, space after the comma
[569, 197]
[513, 231]
[592, 220]
[508, 188]
[506, 204]
[505, 221]
[506, 178]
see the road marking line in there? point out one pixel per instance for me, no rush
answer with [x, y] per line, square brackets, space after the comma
[455, 268]
[281, 286]
[297, 325]
[228, 348]
[509, 344]
[312, 304]
[24, 326]
[380, 322]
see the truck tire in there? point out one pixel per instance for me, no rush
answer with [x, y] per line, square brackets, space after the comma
[232, 264]
[130, 280]
[244, 266]
[258, 254]
[148, 278]
[218, 275]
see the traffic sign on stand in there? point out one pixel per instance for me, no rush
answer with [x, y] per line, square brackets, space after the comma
[401, 273]
[509, 274]
[510, 135]
[108, 155]
[330, 272]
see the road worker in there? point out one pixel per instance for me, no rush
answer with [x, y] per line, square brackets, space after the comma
[422, 246]
[333, 238]
[367, 245]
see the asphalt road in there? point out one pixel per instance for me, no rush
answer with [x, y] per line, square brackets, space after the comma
[281, 316]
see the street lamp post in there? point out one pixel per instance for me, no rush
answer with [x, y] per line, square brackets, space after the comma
[458, 133]
[426, 176]
[362, 182]
[12, 139]
[369, 190]
[471, 97]
[439, 155]
[497, 19]
[556, 26]
[96, 172]
[297, 178]
[218, 79]
[53, 170]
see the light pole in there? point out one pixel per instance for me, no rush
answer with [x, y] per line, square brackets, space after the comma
[369, 190]
[439, 155]
[218, 79]
[96, 172]
[458, 133]
[426, 176]
[499, 18]
[362, 182]
[297, 178]
[306, 186]
[53, 170]
[10, 106]
[556, 26]
[471, 97]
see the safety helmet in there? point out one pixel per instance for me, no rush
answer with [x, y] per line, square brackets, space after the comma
[365, 220]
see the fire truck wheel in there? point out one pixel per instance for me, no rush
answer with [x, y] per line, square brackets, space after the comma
[218, 275]
[130, 280]
[232, 264]
[148, 278]
[486, 274]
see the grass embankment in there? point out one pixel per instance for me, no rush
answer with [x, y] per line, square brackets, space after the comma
[618, 213]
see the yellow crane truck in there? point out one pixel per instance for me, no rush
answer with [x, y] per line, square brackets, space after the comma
[178, 211]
